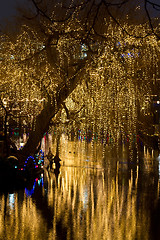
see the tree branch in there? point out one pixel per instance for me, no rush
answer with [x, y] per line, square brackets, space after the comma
[149, 18]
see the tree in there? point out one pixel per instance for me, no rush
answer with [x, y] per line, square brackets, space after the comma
[80, 49]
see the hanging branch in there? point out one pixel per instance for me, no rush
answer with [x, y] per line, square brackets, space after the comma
[123, 29]
[94, 19]
[43, 13]
[71, 114]
[148, 16]
[81, 5]
[154, 5]
[107, 4]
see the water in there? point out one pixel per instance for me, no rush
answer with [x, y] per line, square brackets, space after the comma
[94, 195]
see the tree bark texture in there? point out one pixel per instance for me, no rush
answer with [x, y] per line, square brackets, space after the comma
[50, 110]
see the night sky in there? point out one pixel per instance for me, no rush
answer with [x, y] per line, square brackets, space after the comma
[8, 10]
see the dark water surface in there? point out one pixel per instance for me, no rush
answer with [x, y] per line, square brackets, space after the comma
[94, 195]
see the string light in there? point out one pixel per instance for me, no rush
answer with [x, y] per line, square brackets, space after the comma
[113, 87]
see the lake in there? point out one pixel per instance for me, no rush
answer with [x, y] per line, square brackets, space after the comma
[95, 194]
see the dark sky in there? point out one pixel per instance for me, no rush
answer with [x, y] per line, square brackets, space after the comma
[8, 10]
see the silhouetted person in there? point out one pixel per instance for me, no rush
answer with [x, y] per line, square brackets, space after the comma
[50, 159]
[56, 158]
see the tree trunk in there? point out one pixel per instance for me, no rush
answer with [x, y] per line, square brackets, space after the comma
[50, 110]
[41, 126]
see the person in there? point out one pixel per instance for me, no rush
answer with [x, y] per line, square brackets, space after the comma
[50, 158]
[57, 160]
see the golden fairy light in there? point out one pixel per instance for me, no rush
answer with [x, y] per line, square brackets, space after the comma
[114, 88]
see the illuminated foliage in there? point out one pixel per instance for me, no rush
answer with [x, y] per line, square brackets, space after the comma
[107, 73]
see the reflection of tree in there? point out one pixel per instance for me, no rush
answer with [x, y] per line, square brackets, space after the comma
[92, 208]
[82, 204]
[22, 220]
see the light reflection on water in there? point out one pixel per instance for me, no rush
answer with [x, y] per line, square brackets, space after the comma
[95, 195]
